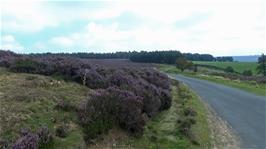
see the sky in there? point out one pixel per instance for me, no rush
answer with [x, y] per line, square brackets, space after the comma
[217, 27]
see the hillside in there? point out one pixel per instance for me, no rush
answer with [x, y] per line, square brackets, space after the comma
[29, 101]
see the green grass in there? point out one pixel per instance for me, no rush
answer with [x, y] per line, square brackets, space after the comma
[249, 86]
[163, 131]
[253, 87]
[237, 66]
[28, 101]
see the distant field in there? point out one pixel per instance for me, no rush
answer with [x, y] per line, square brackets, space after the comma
[238, 66]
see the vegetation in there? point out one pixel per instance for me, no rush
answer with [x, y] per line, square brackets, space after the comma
[116, 55]
[184, 125]
[182, 64]
[262, 65]
[237, 66]
[48, 108]
[229, 69]
[28, 106]
[247, 73]
[249, 86]
[199, 57]
[143, 89]
[167, 57]
[225, 59]
[254, 84]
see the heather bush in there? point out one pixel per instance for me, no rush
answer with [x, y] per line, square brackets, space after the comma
[93, 79]
[44, 135]
[28, 141]
[125, 95]
[64, 105]
[108, 107]
[151, 100]
[166, 99]
[3, 143]
[26, 65]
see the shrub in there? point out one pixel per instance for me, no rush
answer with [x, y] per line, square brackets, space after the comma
[125, 95]
[44, 135]
[27, 65]
[229, 69]
[247, 73]
[108, 107]
[64, 105]
[166, 99]
[3, 143]
[29, 141]
[61, 131]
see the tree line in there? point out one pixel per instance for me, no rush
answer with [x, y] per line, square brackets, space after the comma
[168, 57]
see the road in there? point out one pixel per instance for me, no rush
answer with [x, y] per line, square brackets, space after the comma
[245, 112]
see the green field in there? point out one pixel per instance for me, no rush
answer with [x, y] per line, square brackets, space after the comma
[237, 66]
[249, 86]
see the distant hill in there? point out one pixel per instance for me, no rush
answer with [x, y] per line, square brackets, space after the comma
[249, 58]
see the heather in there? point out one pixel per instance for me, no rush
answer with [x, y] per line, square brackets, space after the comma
[123, 95]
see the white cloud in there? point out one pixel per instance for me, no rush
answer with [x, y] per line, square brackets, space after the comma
[219, 27]
[26, 16]
[8, 39]
[8, 42]
[62, 41]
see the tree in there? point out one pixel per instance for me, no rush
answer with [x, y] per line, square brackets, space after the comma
[229, 69]
[182, 64]
[262, 65]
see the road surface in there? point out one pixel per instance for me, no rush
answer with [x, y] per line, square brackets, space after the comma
[243, 111]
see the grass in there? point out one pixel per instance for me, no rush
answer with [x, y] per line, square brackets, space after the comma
[258, 89]
[163, 130]
[249, 86]
[28, 101]
[237, 66]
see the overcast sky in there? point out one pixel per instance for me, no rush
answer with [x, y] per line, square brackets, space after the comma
[218, 27]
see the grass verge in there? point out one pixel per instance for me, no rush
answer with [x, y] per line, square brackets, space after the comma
[163, 131]
[253, 87]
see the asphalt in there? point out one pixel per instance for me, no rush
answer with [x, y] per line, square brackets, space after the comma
[243, 111]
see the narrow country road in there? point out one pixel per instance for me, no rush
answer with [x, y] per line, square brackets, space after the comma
[244, 112]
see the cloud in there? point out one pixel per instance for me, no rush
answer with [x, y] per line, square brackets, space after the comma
[8, 42]
[26, 16]
[62, 41]
[8, 39]
[219, 27]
